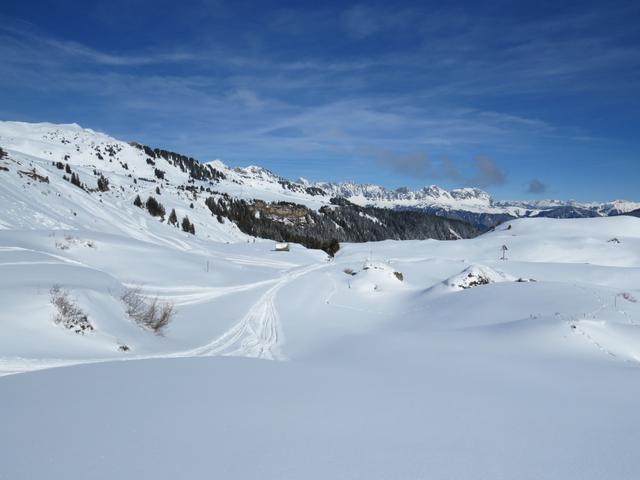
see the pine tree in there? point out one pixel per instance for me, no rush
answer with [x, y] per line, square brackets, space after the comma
[186, 225]
[103, 184]
[75, 180]
[155, 208]
[158, 190]
[67, 168]
[173, 218]
[138, 201]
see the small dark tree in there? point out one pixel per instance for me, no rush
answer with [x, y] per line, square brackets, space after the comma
[138, 201]
[67, 168]
[191, 205]
[75, 180]
[332, 247]
[155, 208]
[192, 229]
[159, 173]
[2, 153]
[158, 191]
[186, 224]
[103, 184]
[173, 218]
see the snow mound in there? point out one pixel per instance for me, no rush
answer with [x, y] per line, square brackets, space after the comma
[475, 276]
[376, 277]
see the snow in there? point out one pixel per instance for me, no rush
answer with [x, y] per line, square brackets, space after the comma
[291, 365]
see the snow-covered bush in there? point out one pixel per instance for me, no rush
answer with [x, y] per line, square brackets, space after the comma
[69, 314]
[150, 314]
[69, 241]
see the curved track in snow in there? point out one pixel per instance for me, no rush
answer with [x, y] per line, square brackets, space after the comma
[258, 334]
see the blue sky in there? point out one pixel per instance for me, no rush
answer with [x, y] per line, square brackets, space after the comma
[525, 100]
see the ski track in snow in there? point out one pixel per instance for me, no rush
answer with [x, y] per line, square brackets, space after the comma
[181, 296]
[258, 334]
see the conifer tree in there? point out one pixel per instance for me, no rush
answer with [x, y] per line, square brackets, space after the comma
[138, 201]
[186, 224]
[173, 218]
[155, 208]
[103, 184]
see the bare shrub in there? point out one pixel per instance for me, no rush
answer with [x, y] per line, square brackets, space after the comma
[69, 314]
[628, 297]
[150, 314]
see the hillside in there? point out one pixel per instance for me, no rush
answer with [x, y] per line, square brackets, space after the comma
[131, 347]
[397, 347]
[90, 179]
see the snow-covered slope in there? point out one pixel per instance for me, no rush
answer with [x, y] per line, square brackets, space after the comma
[396, 359]
[381, 376]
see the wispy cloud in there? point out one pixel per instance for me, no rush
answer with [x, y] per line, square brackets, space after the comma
[484, 171]
[487, 173]
[536, 187]
[40, 46]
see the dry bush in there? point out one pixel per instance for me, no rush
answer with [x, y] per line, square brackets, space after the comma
[628, 297]
[151, 314]
[69, 314]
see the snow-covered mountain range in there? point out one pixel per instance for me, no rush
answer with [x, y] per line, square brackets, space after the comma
[87, 148]
[49, 171]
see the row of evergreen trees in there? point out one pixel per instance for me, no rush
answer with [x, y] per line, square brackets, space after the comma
[156, 209]
[74, 178]
[196, 170]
